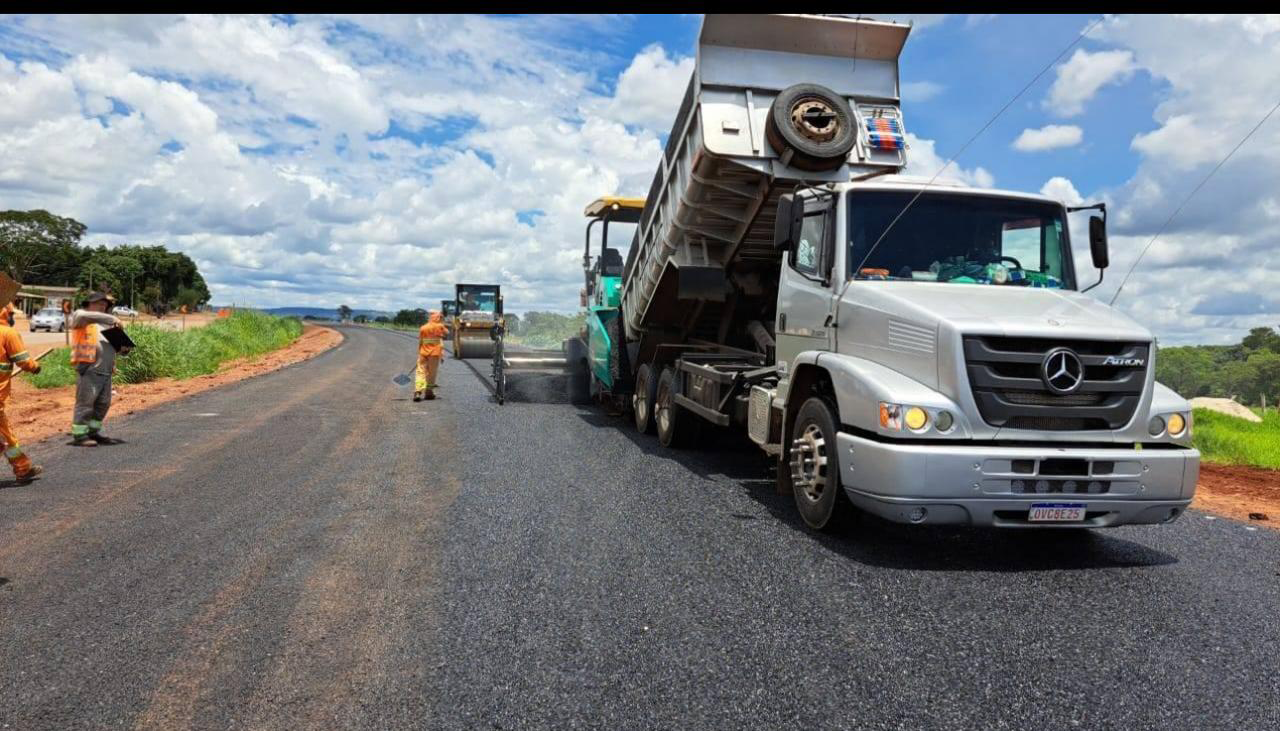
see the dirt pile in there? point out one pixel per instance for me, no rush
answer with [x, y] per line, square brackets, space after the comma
[1226, 406]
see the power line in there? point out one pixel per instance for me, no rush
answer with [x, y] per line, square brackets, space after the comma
[1186, 200]
[975, 136]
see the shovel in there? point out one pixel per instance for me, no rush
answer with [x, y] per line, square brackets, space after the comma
[404, 379]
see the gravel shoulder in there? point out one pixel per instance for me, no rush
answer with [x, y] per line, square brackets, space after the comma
[38, 413]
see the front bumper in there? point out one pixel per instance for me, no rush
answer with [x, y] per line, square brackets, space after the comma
[991, 485]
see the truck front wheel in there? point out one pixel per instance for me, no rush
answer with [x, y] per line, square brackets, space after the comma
[815, 467]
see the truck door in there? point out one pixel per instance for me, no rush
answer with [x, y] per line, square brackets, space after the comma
[804, 292]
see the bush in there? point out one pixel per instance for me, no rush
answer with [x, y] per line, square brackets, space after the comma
[162, 353]
[1222, 438]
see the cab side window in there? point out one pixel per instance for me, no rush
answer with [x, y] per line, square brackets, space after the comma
[808, 250]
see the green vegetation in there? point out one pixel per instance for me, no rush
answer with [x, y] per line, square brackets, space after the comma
[1222, 438]
[544, 329]
[411, 318]
[162, 353]
[38, 247]
[1248, 371]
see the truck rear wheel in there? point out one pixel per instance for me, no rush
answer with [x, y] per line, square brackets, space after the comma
[814, 123]
[642, 401]
[676, 427]
[815, 467]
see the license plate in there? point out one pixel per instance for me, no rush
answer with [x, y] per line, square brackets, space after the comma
[1056, 512]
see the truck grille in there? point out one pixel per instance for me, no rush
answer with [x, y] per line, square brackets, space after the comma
[1007, 378]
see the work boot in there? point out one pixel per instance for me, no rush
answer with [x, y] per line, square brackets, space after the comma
[26, 477]
[83, 440]
[431, 395]
[103, 439]
[417, 396]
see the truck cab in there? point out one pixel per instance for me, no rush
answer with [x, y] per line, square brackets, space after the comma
[965, 376]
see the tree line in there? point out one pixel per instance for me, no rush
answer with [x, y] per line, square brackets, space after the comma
[1247, 371]
[41, 248]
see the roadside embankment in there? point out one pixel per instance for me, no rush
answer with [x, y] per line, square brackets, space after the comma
[37, 413]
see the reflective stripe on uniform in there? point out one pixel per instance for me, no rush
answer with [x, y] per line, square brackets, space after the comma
[79, 430]
[94, 425]
[13, 452]
[6, 367]
[19, 357]
[432, 341]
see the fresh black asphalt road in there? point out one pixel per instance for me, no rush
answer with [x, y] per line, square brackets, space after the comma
[311, 549]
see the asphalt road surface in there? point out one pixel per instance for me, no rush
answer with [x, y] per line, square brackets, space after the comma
[311, 549]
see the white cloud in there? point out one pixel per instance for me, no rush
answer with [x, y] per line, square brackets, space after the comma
[1049, 137]
[920, 91]
[644, 96]
[1082, 75]
[1062, 189]
[923, 160]
[1208, 278]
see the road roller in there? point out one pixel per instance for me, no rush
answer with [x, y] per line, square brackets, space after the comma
[478, 309]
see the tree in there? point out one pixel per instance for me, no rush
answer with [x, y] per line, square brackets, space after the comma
[361, 319]
[382, 319]
[1262, 338]
[415, 318]
[513, 323]
[344, 312]
[35, 243]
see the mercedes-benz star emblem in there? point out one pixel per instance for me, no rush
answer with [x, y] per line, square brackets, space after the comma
[1062, 371]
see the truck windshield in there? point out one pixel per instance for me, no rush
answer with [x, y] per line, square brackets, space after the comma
[967, 239]
[477, 300]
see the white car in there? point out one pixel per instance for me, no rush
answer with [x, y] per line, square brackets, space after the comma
[122, 311]
[50, 319]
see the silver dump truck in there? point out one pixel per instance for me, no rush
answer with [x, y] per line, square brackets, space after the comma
[924, 351]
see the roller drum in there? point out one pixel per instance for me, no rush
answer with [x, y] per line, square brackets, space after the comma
[475, 347]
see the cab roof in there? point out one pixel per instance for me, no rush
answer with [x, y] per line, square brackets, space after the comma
[617, 208]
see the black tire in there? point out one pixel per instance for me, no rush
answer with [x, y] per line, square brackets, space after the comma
[815, 467]
[579, 382]
[815, 123]
[676, 427]
[642, 400]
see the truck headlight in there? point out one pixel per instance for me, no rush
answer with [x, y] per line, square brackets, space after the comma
[890, 416]
[1177, 425]
[916, 418]
[1156, 426]
[944, 422]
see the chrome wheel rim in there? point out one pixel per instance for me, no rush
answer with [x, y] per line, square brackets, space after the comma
[809, 463]
[663, 411]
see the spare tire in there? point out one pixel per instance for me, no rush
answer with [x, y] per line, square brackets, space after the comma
[815, 124]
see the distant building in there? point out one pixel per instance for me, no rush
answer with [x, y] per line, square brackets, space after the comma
[34, 297]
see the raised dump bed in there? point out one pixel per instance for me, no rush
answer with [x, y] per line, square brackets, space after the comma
[773, 101]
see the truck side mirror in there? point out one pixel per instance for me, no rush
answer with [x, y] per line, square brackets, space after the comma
[786, 229]
[1098, 242]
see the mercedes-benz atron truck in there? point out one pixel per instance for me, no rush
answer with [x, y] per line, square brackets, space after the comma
[922, 351]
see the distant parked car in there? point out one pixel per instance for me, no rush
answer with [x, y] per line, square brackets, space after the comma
[122, 311]
[50, 319]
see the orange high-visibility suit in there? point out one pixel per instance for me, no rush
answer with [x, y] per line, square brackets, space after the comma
[430, 350]
[13, 354]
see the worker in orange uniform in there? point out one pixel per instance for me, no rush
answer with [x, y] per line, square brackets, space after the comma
[430, 351]
[94, 359]
[13, 354]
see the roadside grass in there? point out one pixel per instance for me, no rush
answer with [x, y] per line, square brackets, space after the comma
[164, 353]
[1222, 438]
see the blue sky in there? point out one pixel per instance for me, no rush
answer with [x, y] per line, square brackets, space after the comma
[374, 161]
